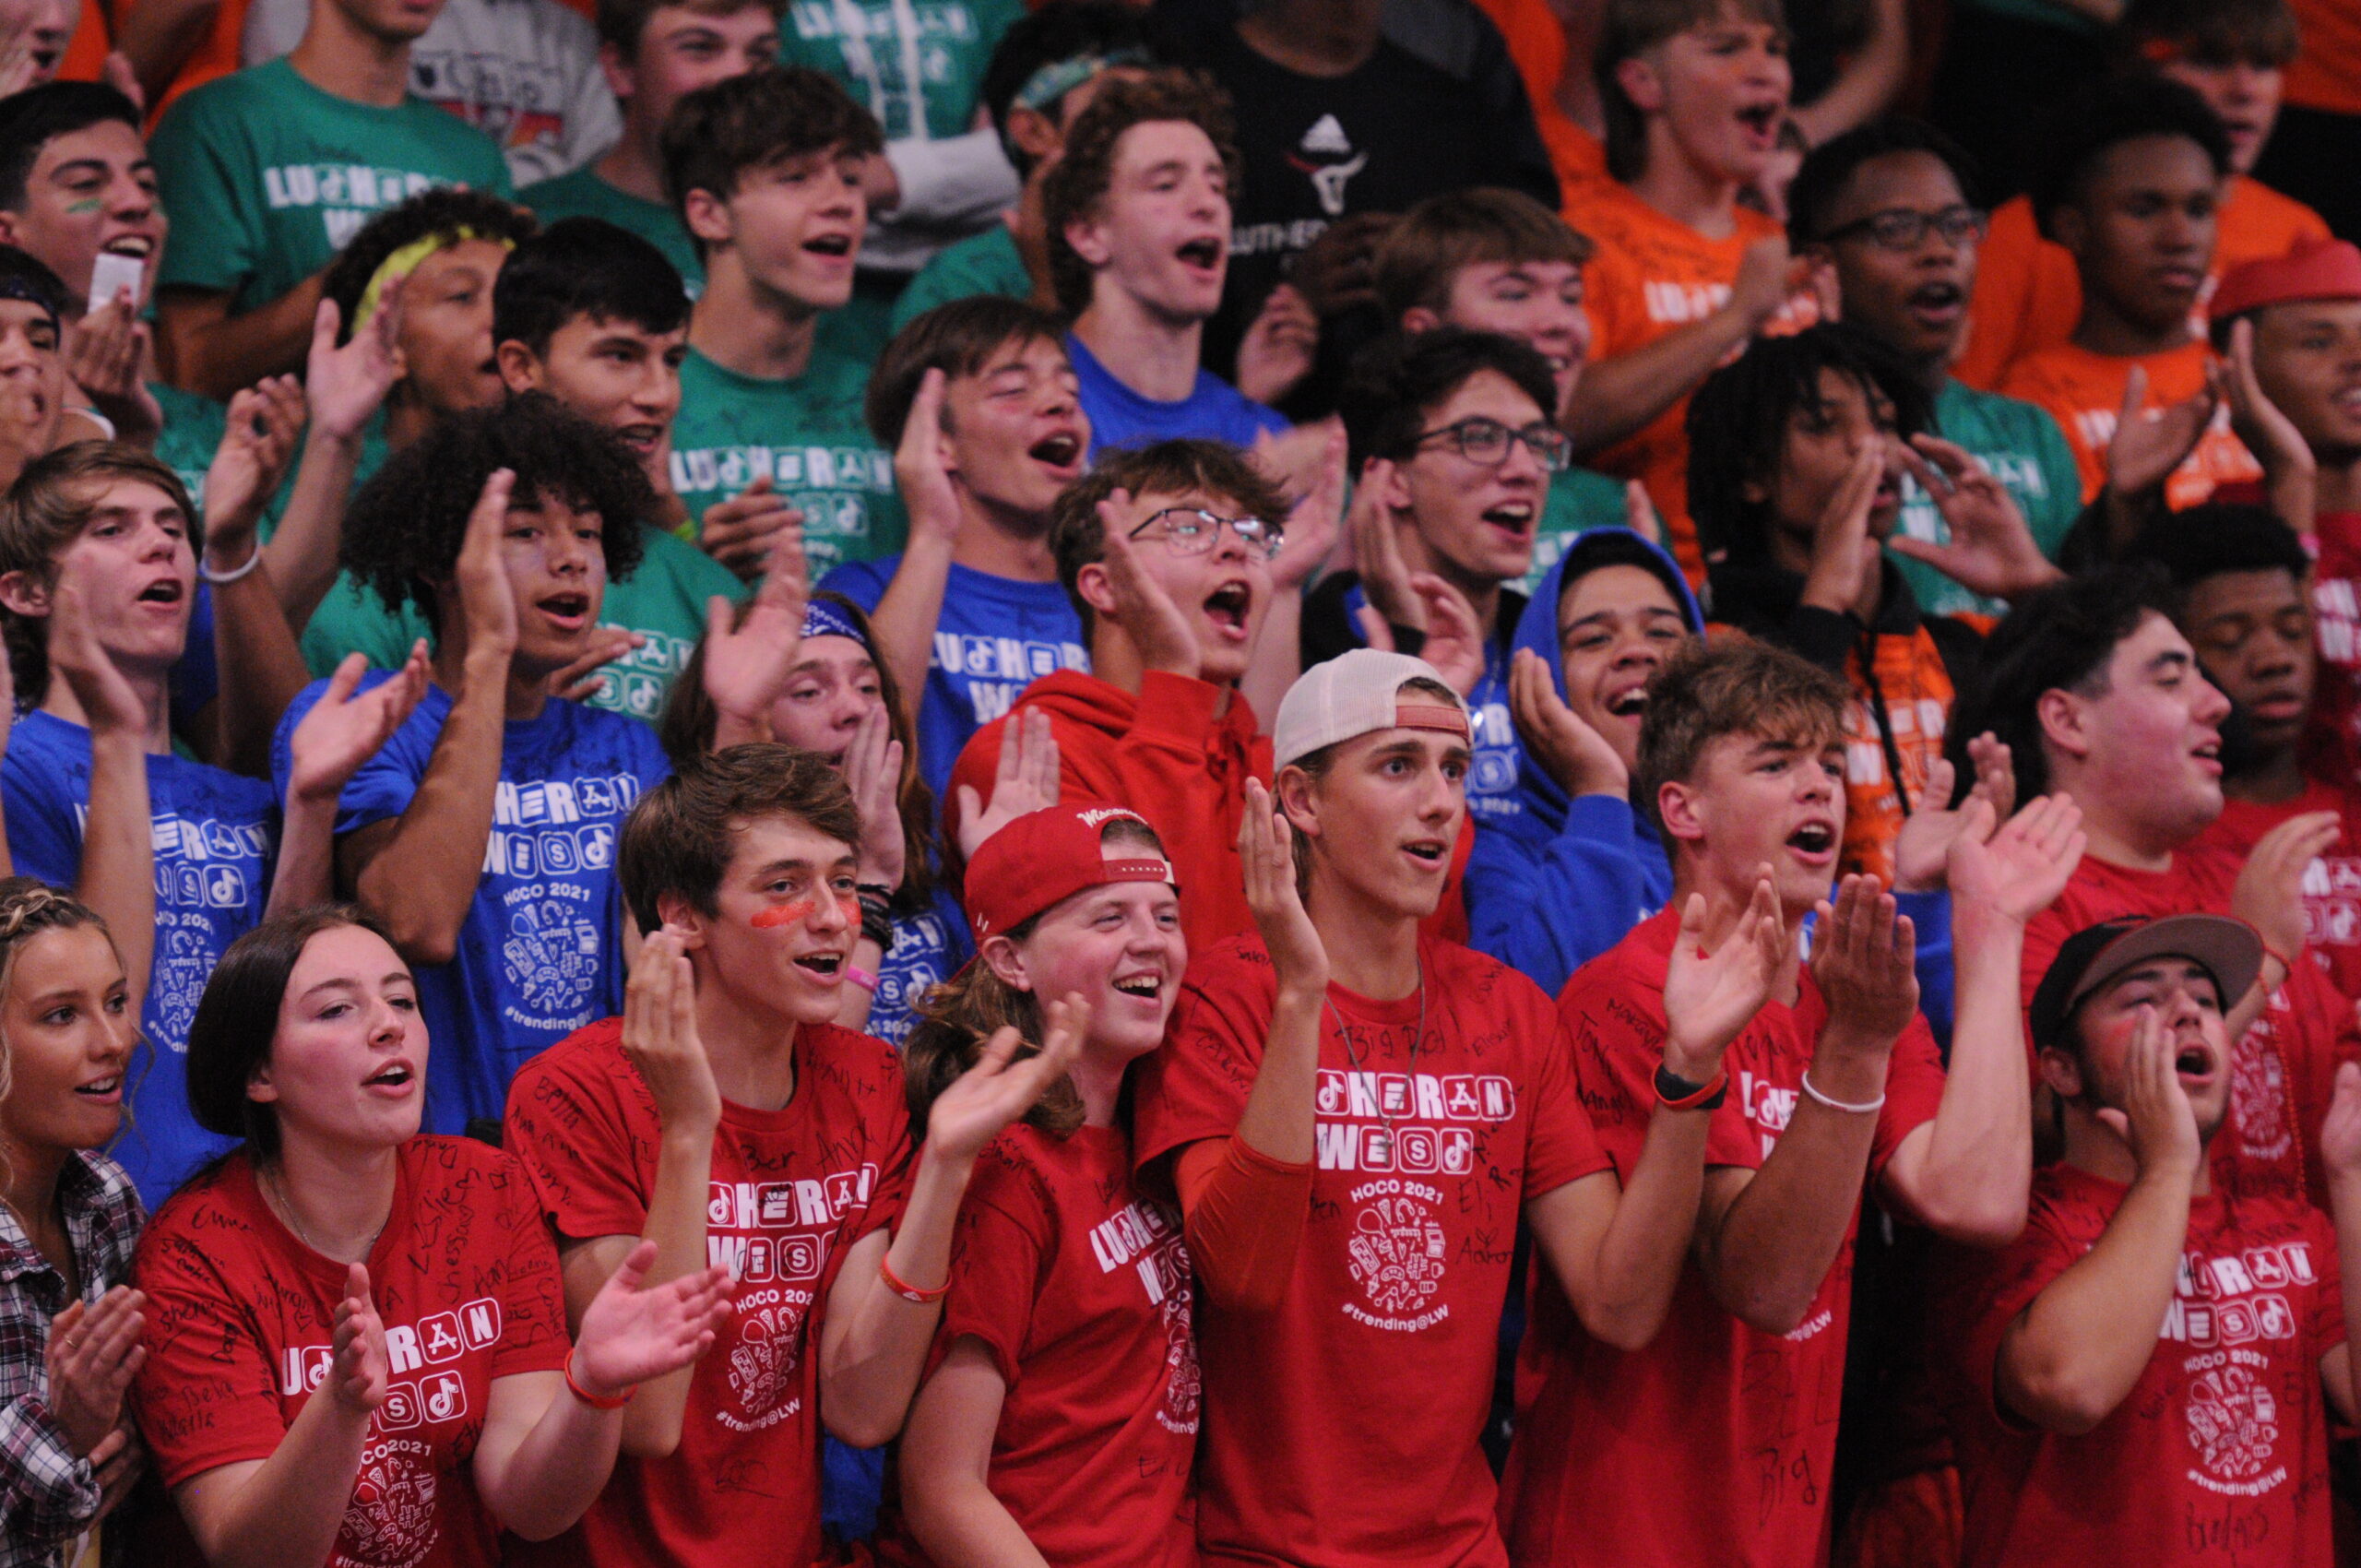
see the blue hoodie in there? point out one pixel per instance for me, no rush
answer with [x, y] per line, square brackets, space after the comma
[1559, 883]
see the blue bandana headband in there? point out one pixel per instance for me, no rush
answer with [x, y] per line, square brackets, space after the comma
[1059, 78]
[822, 619]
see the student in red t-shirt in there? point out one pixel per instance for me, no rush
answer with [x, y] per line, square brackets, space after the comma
[1358, 1116]
[2241, 578]
[724, 1117]
[2098, 695]
[1683, 277]
[1837, 1084]
[360, 1352]
[2140, 1377]
[1059, 1418]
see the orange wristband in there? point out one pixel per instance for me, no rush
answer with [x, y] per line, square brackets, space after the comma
[910, 1292]
[617, 1403]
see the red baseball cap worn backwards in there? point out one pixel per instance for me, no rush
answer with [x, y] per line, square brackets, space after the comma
[2320, 270]
[1046, 857]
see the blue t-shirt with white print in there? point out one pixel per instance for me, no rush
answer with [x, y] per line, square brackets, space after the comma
[216, 836]
[931, 944]
[540, 952]
[1492, 796]
[1213, 410]
[996, 636]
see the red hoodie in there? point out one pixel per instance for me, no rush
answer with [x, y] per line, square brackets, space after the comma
[1176, 756]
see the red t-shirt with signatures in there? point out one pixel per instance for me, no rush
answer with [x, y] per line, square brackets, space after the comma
[1746, 1420]
[791, 1189]
[2283, 1070]
[1079, 1288]
[241, 1323]
[2331, 883]
[1341, 1429]
[2333, 743]
[2219, 1454]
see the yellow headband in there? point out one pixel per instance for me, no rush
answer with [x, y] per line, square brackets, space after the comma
[404, 261]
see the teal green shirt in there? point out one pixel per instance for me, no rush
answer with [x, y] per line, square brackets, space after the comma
[981, 264]
[2026, 452]
[194, 425]
[663, 600]
[582, 195]
[808, 434]
[953, 44]
[266, 177]
[1579, 501]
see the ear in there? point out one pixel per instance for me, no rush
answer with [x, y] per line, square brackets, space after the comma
[24, 595]
[520, 369]
[1089, 242]
[617, 70]
[1418, 318]
[1677, 805]
[707, 217]
[2064, 720]
[7, 226]
[260, 1088]
[1005, 960]
[1396, 495]
[2062, 1071]
[676, 911]
[1036, 134]
[1642, 83]
[1753, 492]
[1095, 590]
[1298, 800]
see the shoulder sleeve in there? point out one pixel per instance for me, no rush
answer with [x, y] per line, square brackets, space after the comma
[2059, 477]
[886, 1130]
[532, 1297]
[863, 582]
[999, 1261]
[206, 177]
[207, 1394]
[45, 838]
[1561, 1144]
[381, 787]
[1196, 1083]
[1913, 1092]
[1611, 296]
[1991, 1290]
[580, 1145]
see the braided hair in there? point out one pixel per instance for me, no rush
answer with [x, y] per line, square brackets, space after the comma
[27, 907]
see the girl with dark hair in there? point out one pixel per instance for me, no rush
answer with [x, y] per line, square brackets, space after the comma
[1058, 1419]
[807, 672]
[70, 1327]
[366, 1358]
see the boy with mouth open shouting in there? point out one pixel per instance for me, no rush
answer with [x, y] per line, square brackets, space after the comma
[1357, 1116]
[2147, 1375]
[1836, 1085]
[724, 1116]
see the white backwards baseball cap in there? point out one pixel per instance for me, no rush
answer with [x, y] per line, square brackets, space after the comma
[1355, 694]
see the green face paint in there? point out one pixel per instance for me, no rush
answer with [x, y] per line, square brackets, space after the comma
[89, 204]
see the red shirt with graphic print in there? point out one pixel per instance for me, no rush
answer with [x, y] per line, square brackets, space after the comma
[2333, 743]
[1746, 1420]
[1079, 1288]
[792, 1190]
[2219, 1454]
[2331, 883]
[241, 1323]
[2283, 1068]
[1341, 1429]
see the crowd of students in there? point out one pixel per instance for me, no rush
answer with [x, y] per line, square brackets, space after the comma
[923, 782]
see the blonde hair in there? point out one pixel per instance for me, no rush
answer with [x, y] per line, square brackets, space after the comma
[27, 909]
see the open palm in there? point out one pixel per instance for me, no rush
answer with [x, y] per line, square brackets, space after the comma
[633, 1331]
[1710, 997]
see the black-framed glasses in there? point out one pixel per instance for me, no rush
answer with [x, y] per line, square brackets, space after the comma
[1191, 530]
[1487, 441]
[1904, 229]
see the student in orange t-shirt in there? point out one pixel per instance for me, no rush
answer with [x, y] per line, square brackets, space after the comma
[2230, 52]
[1683, 276]
[2133, 197]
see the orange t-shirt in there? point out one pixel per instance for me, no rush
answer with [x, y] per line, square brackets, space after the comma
[2327, 73]
[2083, 392]
[2028, 295]
[1650, 275]
[1537, 41]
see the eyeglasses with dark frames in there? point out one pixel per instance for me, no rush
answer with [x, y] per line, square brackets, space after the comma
[1191, 530]
[1904, 229]
[1487, 441]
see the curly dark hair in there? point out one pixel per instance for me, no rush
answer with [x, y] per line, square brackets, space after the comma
[715, 134]
[1073, 189]
[403, 530]
[444, 211]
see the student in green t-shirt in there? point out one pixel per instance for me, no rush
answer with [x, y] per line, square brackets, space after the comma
[270, 171]
[767, 168]
[1499, 261]
[657, 53]
[593, 315]
[1888, 206]
[1045, 71]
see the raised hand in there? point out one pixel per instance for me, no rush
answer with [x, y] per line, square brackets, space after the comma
[358, 1375]
[584, 677]
[1378, 560]
[2156, 1118]
[923, 464]
[1338, 270]
[1710, 998]
[2019, 871]
[660, 1036]
[92, 1354]
[749, 660]
[1156, 624]
[1001, 1086]
[1025, 780]
[2341, 1129]
[486, 598]
[1861, 960]
[1922, 849]
[2267, 431]
[343, 731]
[1640, 512]
[1279, 346]
[1767, 274]
[349, 383]
[2269, 894]
[258, 443]
[1313, 522]
[108, 701]
[1265, 849]
[107, 353]
[2147, 447]
[873, 774]
[632, 1332]
[1454, 644]
[737, 532]
[1991, 550]
[1574, 755]
[1843, 556]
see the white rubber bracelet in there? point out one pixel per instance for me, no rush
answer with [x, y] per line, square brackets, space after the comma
[1871, 1109]
[254, 559]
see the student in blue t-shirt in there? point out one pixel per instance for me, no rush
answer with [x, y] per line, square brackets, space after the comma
[98, 576]
[978, 400]
[484, 835]
[1138, 217]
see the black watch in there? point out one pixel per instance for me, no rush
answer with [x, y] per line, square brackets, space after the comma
[1672, 1088]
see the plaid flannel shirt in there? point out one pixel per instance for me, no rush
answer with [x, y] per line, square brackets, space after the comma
[47, 1496]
